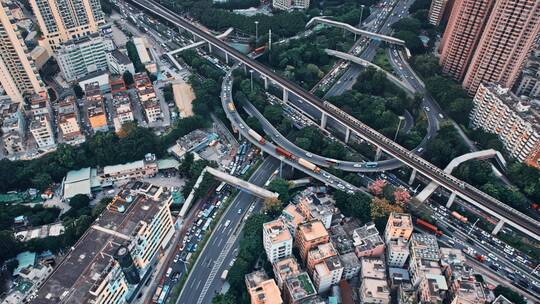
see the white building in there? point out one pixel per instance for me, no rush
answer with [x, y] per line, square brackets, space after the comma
[290, 4]
[12, 125]
[123, 112]
[79, 57]
[327, 273]
[516, 121]
[119, 63]
[397, 252]
[142, 51]
[41, 130]
[277, 240]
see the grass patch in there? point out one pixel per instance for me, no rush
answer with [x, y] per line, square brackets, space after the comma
[381, 59]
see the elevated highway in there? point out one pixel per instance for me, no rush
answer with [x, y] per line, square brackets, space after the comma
[494, 207]
[350, 28]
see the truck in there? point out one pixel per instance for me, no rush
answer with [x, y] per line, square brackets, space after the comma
[429, 227]
[284, 152]
[256, 135]
[460, 217]
[480, 258]
[157, 294]
[224, 274]
[231, 107]
[304, 163]
[260, 49]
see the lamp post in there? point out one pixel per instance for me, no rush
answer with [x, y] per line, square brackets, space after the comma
[401, 118]
[256, 31]
[251, 78]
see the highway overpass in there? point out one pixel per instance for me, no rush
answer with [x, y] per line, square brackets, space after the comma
[355, 30]
[494, 207]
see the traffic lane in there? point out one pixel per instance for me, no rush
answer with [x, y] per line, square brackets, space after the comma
[217, 283]
[217, 241]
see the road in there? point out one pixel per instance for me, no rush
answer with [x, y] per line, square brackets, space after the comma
[204, 277]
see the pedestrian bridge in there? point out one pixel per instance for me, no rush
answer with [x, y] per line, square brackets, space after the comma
[232, 180]
[402, 84]
[355, 30]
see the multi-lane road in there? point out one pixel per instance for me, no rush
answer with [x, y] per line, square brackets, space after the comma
[222, 246]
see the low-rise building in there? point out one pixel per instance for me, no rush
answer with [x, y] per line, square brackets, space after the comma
[462, 285]
[313, 209]
[262, 289]
[515, 121]
[152, 110]
[397, 252]
[367, 241]
[292, 217]
[374, 291]
[327, 273]
[41, 129]
[69, 121]
[12, 125]
[117, 84]
[299, 289]
[119, 63]
[285, 268]
[277, 240]
[95, 108]
[137, 169]
[123, 112]
[309, 235]
[373, 268]
[82, 56]
[399, 225]
[318, 254]
[351, 265]
[424, 269]
[288, 5]
[529, 81]
[119, 251]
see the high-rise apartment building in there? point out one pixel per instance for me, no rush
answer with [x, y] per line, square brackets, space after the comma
[399, 225]
[437, 10]
[461, 36]
[63, 20]
[516, 121]
[511, 31]
[277, 240]
[18, 74]
[327, 273]
[529, 81]
[489, 40]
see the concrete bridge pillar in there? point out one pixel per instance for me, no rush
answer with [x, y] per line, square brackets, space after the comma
[209, 47]
[285, 95]
[265, 83]
[323, 120]
[245, 69]
[498, 227]
[413, 176]
[347, 135]
[378, 153]
[226, 58]
[451, 199]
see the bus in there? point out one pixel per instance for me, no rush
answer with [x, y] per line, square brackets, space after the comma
[372, 164]
[220, 187]
[224, 274]
[208, 211]
[245, 170]
[155, 298]
[206, 224]
[164, 294]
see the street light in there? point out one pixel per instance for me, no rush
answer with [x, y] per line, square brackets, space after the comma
[401, 118]
[256, 31]
[361, 13]
[251, 77]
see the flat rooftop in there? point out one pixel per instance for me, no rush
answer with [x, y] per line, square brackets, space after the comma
[313, 230]
[91, 256]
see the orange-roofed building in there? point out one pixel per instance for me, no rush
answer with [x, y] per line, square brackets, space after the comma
[309, 235]
[261, 289]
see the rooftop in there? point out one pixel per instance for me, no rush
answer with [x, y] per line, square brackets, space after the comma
[322, 251]
[292, 216]
[375, 288]
[313, 230]
[286, 267]
[367, 237]
[329, 265]
[91, 257]
[424, 246]
[372, 268]
[300, 286]
[276, 231]
[349, 260]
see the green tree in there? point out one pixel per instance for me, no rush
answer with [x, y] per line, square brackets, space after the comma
[79, 201]
[510, 294]
[10, 246]
[128, 78]
[357, 205]
[281, 187]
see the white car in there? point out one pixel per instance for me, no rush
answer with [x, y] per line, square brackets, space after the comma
[357, 165]
[309, 154]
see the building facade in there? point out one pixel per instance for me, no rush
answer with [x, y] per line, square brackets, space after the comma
[262, 289]
[516, 121]
[489, 40]
[290, 4]
[123, 113]
[63, 20]
[309, 235]
[18, 74]
[68, 121]
[41, 129]
[12, 124]
[81, 56]
[529, 81]
[327, 273]
[437, 10]
[277, 240]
